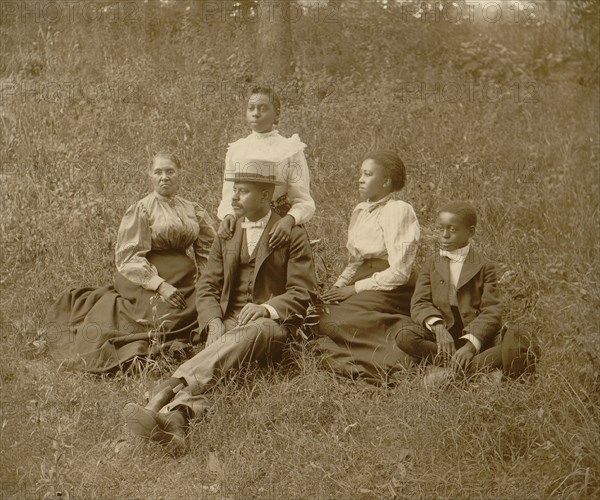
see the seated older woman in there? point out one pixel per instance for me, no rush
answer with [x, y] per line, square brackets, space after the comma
[162, 246]
[375, 289]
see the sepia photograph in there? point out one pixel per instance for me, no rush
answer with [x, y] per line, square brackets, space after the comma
[299, 249]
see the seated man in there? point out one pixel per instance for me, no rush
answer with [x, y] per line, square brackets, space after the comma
[456, 310]
[249, 298]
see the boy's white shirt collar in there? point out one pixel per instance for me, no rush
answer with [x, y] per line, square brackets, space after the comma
[457, 259]
[458, 255]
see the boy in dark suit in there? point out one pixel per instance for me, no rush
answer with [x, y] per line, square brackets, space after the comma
[249, 298]
[456, 308]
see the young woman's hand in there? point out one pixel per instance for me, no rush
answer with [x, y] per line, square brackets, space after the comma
[171, 295]
[226, 227]
[338, 294]
[280, 234]
[444, 341]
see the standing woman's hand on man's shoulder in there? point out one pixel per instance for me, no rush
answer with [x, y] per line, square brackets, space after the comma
[226, 227]
[281, 233]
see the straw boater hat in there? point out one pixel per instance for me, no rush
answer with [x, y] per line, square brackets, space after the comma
[262, 171]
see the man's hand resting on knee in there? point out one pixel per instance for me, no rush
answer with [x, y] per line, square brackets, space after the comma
[251, 312]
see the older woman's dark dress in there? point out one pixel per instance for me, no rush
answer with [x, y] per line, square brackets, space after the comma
[160, 239]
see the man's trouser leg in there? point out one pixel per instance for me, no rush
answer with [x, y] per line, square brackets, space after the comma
[261, 340]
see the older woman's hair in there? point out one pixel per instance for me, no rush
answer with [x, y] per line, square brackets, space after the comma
[392, 166]
[463, 210]
[271, 94]
[166, 156]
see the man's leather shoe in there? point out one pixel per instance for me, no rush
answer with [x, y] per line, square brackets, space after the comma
[165, 428]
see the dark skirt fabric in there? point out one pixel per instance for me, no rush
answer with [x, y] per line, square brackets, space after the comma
[97, 330]
[358, 336]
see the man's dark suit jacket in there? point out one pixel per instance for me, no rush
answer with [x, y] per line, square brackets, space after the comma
[284, 278]
[478, 301]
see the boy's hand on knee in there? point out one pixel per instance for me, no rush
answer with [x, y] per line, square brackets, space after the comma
[444, 340]
[251, 312]
[226, 227]
[462, 358]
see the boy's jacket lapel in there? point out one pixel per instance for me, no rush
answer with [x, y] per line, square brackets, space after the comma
[473, 263]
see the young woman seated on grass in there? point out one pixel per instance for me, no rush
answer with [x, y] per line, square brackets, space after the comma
[375, 289]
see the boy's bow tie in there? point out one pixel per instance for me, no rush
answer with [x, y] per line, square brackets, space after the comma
[454, 257]
[253, 225]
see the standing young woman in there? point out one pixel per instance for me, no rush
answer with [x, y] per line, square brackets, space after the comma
[375, 288]
[292, 199]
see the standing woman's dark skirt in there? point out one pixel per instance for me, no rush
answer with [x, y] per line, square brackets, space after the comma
[96, 330]
[358, 338]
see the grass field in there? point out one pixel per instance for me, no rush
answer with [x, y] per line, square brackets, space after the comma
[502, 114]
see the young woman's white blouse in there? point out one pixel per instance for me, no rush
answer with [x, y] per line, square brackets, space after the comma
[387, 229]
[291, 169]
